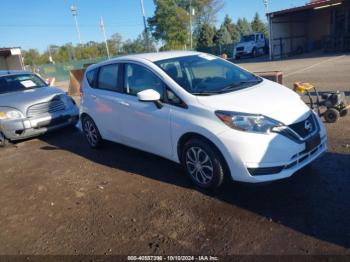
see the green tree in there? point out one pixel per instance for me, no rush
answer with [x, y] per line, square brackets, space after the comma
[232, 29]
[243, 26]
[170, 24]
[258, 25]
[205, 36]
[138, 45]
[115, 44]
[171, 20]
[31, 57]
[223, 36]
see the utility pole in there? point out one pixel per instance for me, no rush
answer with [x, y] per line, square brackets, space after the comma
[50, 55]
[145, 25]
[102, 27]
[74, 11]
[191, 36]
[266, 4]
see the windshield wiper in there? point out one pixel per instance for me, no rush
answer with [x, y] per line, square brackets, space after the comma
[236, 85]
[205, 93]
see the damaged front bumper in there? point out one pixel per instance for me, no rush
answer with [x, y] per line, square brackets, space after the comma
[30, 127]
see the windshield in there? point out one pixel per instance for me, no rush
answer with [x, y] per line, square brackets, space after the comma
[247, 38]
[206, 75]
[15, 83]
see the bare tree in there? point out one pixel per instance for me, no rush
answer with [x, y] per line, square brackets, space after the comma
[207, 11]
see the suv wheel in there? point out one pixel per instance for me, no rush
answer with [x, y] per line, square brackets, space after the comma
[255, 52]
[203, 164]
[91, 132]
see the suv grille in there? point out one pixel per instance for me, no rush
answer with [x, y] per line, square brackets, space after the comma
[240, 48]
[55, 105]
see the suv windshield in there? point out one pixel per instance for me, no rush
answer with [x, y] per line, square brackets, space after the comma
[247, 38]
[20, 82]
[206, 75]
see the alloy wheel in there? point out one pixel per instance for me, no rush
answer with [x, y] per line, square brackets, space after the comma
[91, 132]
[199, 165]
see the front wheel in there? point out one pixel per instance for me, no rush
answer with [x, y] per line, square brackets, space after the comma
[255, 52]
[91, 132]
[203, 164]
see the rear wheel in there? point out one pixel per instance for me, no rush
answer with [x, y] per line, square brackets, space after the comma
[331, 115]
[203, 164]
[91, 132]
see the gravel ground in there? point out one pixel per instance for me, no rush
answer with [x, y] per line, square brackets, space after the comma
[58, 196]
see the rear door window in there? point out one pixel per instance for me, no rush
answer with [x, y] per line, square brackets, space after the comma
[108, 78]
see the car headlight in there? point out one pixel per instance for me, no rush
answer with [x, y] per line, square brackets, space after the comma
[10, 114]
[248, 122]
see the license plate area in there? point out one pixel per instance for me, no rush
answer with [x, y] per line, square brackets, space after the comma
[312, 143]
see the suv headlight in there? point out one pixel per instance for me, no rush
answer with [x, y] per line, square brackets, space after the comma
[67, 100]
[248, 122]
[10, 114]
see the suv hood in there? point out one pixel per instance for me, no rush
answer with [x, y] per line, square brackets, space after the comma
[267, 98]
[21, 100]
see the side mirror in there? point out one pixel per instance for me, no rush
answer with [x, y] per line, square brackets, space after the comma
[150, 95]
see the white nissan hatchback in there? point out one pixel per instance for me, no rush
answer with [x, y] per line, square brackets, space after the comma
[213, 117]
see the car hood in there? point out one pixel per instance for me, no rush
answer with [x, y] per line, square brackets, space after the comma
[267, 98]
[23, 99]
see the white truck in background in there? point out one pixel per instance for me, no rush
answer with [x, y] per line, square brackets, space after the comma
[251, 45]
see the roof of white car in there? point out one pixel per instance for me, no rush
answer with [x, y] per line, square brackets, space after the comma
[153, 57]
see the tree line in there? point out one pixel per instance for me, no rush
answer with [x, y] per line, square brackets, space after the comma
[90, 50]
[169, 29]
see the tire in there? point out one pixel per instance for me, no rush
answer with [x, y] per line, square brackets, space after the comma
[254, 52]
[238, 57]
[344, 112]
[203, 164]
[331, 115]
[3, 140]
[91, 132]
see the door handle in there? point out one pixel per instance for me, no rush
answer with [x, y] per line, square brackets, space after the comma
[123, 103]
[93, 97]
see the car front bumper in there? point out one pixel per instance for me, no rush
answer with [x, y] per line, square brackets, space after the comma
[274, 156]
[31, 127]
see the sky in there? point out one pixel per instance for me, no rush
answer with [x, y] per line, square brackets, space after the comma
[40, 23]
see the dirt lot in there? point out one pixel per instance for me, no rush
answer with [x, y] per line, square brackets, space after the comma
[58, 196]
